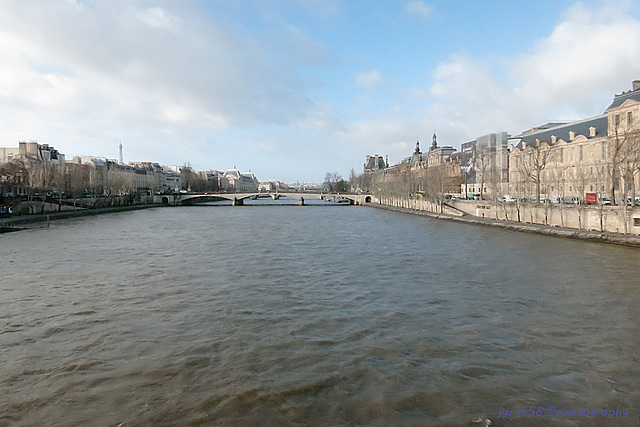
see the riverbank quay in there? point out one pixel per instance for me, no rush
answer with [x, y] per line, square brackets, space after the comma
[569, 233]
[19, 222]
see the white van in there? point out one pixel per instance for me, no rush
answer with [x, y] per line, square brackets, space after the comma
[571, 200]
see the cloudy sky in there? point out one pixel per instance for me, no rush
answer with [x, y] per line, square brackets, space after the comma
[292, 89]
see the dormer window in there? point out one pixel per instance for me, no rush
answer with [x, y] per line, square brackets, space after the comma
[572, 135]
[592, 131]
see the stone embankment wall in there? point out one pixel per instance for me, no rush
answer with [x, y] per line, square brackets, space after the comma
[594, 218]
[37, 206]
[419, 205]
[563, 221]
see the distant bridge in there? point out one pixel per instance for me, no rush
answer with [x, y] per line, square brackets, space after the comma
[237, 199]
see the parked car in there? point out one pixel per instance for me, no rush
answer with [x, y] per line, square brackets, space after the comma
[544, 200]
[508, 198]
[571, 200]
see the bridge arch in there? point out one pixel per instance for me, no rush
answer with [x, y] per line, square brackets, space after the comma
[237, 199]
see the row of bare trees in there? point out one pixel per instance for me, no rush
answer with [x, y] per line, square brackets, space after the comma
[427, 182]
[334, 183]
[47, 181]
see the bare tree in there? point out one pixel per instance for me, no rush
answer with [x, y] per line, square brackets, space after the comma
[95, 184]
[494, 190]
[538, 156]
[482, 162]
[624, 152]
[13, 176]
[582, 180]
[435, 181]
[560, 184]
[76, 178]
[602, 177]
[334, 183]
[188, 177]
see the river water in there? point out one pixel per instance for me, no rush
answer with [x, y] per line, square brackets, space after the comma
[318, 315]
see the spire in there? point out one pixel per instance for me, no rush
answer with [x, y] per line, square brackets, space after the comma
[434, 144]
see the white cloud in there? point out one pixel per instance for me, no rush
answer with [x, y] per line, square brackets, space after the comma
[82, 77]
[156, 17]
[571, 74]
[368, 80]
[176, 84]
[418, 8]
[588, 54]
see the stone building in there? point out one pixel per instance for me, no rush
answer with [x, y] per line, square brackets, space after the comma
[241, 182]
[598, 155]
[32, 151]
[491, 164]
[375, 163]
[28, 166]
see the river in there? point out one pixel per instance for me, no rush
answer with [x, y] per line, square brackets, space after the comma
[316, 315]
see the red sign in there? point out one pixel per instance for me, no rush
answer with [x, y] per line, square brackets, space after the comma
[592, 198]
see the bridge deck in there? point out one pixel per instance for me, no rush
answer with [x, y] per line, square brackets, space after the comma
[238, 198]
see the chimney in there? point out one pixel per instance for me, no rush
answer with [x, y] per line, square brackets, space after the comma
[636, 84]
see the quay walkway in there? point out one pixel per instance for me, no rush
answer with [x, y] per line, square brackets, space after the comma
[631, 240]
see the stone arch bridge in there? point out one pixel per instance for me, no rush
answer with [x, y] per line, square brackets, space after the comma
[237, 199]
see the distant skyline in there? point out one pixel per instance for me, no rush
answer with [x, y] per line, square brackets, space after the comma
[294, 89]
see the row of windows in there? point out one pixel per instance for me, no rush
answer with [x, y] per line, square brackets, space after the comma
[603, 152]
[629, 119]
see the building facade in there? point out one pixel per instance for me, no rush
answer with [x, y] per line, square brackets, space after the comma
[599, 155]
[241, 182]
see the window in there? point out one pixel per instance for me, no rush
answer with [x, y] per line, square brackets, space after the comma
[629, 118]
[580, 155]
[616, 120]
[591, 188]
[562, 155]
[636, 222]
[603, 150]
